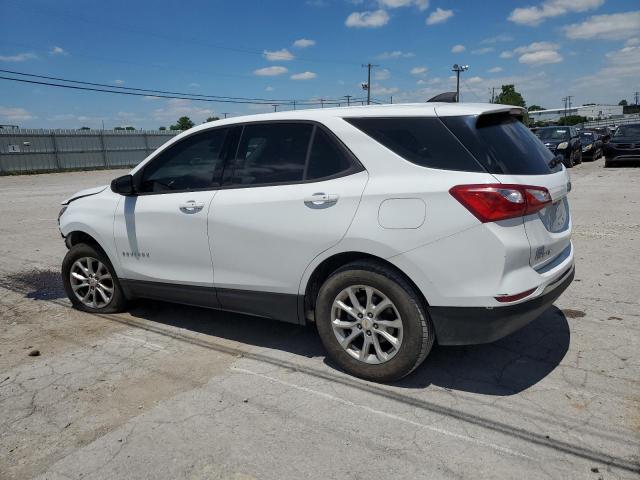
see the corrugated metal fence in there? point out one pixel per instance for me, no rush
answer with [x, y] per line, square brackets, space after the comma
[27, 151]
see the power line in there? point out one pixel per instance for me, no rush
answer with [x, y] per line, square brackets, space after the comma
[138, 94]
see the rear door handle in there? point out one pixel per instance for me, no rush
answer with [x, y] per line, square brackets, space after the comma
[191, 206]
[321, 200]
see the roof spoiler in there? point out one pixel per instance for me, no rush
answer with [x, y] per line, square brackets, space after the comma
[447, 97]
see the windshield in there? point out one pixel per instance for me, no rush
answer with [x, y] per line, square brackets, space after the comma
[553, 134]
[502, 144]
[628, 131]
[586, 138]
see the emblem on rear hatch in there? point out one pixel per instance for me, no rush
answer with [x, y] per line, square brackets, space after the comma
[542, 252]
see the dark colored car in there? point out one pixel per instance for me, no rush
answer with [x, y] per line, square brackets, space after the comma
[592, 145]
[604, 132]
[562, 141]
[624, 145]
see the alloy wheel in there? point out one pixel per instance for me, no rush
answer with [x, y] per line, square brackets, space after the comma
[367, 324]
[91, 282]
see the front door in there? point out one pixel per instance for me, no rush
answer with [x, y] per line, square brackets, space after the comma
[161, 233]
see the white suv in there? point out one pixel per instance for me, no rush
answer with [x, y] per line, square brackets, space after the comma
[389, 227]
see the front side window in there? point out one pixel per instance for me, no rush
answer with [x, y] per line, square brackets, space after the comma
[271, 153]
[194, 163]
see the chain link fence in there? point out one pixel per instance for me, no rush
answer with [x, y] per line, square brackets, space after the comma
[33, 151]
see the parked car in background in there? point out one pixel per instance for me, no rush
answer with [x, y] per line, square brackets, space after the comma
[624, 145]
[604, 132]
[563, 141]
[389, 227]
[592, 145]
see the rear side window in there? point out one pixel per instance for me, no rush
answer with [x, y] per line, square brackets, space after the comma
[326, 158]
[423, 141]
[272, 153]
[502, 144]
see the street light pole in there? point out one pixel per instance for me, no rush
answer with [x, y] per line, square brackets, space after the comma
[458, 69]
[368, 84]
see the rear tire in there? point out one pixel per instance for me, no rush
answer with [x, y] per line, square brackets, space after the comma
[381, 345]
[90, 280]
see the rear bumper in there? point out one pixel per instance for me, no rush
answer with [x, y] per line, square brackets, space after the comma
[474, 325]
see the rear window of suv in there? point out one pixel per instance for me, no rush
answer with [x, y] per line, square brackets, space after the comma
[502, 144]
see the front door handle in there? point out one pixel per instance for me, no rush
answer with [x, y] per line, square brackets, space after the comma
[191, 207]
[321, 200]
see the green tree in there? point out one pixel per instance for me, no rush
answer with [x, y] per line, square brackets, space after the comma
[183, 123]
[118, 128]
[535, 108]
[211, 119]
[572, 120]
[162, 128]
[84, 128]
[623, 103]
[510, 96]
[129, 128]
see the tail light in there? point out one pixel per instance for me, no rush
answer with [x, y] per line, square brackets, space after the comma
[494, 202]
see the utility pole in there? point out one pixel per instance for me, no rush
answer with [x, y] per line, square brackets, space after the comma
[564, 99]
[322, 103]
[391, 99]
[225, 114]
[294, 104]
[368, 84]
[275, 107]
[459, 68]
[348, 97]
[493, 94]
[636, 95]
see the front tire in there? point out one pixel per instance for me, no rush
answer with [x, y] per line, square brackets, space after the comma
[90, 280]
[372, 322]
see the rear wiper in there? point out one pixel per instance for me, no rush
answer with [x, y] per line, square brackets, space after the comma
[555, 161]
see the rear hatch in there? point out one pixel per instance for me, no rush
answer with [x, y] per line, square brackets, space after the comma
[508, 150]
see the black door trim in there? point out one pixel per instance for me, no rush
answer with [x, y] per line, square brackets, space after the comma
[284, 307]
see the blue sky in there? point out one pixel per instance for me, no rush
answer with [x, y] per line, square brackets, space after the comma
[307, 49]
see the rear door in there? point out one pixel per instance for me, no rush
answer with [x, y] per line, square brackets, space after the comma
[513, 155]
[290, 193]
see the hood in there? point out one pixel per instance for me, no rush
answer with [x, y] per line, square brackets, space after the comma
[84, 193]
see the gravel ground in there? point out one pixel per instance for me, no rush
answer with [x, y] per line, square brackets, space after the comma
[169, 391]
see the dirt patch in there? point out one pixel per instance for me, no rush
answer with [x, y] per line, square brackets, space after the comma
[570, 313]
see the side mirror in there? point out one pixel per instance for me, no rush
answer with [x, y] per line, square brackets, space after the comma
[123, 185]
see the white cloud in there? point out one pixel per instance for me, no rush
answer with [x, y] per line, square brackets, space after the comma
[624, 62]
[14, 114]
[269, 88]
[536, 47]
[194, 84]
[497, 39]
[495, 70]
[418, 70]
[282, 55]
[381, 90]
[58, 51]
[175, 108]
[422, 81]
[541, 57]
[482, 51]
[421, 4]
[439, 16]
[118, 82]
[270, 71]
[632, 41]
[458, 48]
[19, 57]
[474, 80]
[536, 53]
[304, 43]
[303, 76]
[375, 19]
[382, 74]
[396, 54]
[534, 15]
[611, 27]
